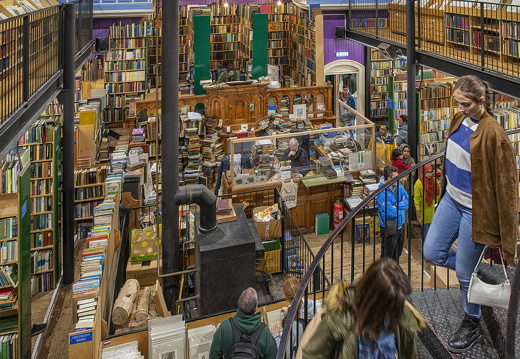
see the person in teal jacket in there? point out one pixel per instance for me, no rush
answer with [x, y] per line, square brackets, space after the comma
[392, 204]
[247, 320]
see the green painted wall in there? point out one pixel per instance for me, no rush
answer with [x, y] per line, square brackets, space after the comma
[201, 46]
[260, 45]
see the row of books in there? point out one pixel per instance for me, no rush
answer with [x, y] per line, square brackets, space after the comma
[84, 193]
[41, 186]
[9, 172]
[9, 346]
[43, 151]
[41, 239]
[8, 227]
[8, 251]
[39, 132]
[82, 210]
[41, 260]
[41, 169]
[41, 221]
[90, 175]
[42, 282]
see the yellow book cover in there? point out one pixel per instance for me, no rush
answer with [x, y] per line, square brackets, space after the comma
[87, 118]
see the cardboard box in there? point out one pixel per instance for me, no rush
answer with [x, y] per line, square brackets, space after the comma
[145, 272]
[267, 230]
[271, 262]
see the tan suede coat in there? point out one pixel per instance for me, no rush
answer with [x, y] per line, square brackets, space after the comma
[494, 185]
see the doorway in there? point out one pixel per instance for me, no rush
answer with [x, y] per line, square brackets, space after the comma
[342, 72]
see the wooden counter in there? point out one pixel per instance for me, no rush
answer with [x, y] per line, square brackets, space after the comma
[312, 200]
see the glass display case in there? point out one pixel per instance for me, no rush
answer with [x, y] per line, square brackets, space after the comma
[327, 152]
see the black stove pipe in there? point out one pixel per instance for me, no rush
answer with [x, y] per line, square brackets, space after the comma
[172, 194]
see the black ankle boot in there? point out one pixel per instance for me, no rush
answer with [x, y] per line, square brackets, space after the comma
[468, 334]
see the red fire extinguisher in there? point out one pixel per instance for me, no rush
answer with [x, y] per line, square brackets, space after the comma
[337, 213]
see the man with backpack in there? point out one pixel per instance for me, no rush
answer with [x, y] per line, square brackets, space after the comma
[244, 335]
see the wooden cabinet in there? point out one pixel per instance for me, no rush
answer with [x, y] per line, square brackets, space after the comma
[247, 104]
[236, 105]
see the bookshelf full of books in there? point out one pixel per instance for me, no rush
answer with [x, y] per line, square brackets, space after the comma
[125, 68]
[380, 91]
[42, 141]
[303, 46]
[15, 275]
[279, 37]
[88, 193]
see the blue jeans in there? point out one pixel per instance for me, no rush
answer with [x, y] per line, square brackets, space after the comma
[452, 221]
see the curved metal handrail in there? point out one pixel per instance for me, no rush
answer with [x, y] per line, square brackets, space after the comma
[291, 315]
[328, 242]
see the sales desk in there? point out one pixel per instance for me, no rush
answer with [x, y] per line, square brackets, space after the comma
[316, 194]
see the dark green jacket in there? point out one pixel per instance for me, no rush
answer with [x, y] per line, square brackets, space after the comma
[223, 338]
[224, 77]
[334, 337]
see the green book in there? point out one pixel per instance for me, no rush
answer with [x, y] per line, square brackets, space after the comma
[321, 224]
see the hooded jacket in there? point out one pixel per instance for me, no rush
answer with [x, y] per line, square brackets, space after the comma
[335, 337]
[494, 185]
[389, 209]
[297, 329]
[223, 339]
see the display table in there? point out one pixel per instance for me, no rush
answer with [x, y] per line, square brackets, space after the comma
[320, 180]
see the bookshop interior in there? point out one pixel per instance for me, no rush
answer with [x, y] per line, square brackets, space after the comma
[279, 122]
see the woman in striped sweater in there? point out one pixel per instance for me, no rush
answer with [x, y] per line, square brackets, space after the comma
[479, 206]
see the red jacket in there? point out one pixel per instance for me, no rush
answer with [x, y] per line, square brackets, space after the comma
[399, 164]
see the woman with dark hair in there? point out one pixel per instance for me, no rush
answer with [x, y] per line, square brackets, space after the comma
[407, 155]
[290, 287]
[481, 183]
[373, 319]
[397, 161]
[230, 74]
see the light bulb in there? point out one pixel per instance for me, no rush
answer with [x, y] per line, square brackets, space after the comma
[279, 3]
[226, 4]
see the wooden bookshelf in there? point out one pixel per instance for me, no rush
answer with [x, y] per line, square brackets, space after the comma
[15, 324]
[42, 141]
[88, 193]
[125, 68]
[382, 70]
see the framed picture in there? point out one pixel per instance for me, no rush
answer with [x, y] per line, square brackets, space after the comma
[300, 111]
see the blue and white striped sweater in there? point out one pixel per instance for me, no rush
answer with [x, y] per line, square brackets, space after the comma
[458, 163]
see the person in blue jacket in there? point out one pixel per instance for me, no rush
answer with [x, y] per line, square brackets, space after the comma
[392, 204]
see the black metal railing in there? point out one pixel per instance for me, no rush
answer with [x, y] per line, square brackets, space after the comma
[354, 245]
[476, 33]
[31, 52]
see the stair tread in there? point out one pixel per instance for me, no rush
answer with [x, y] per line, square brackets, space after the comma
[443, 310]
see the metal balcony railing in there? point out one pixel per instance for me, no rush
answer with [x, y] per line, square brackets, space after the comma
[477, 33]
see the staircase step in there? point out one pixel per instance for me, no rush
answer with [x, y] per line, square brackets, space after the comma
[443, 310]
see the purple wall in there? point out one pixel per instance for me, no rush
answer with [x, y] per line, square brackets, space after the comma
[332, 45]
[100, 26]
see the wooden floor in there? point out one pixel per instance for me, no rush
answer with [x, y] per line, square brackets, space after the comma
[366, 253]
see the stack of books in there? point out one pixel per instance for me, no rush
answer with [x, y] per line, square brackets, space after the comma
[118, 160]
[7, 298]
[9, 344]
[192, 169]
[138, 135]
[86, 313]
[8, 276]
[166, 337]
[91, 272]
